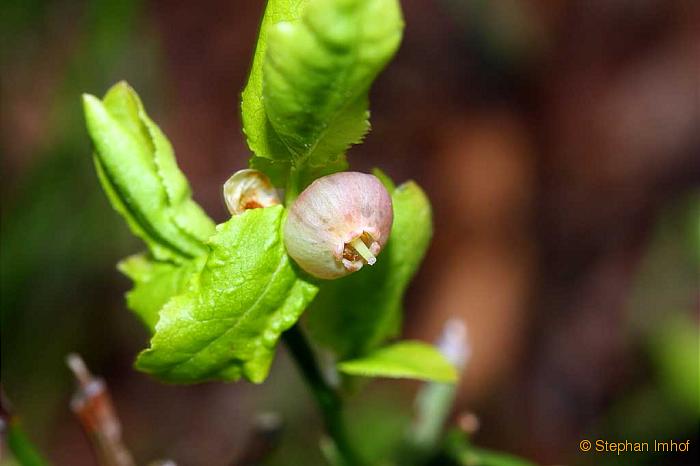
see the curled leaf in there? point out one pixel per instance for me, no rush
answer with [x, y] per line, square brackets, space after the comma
[306, 99]
[137, 168]
[318, 70]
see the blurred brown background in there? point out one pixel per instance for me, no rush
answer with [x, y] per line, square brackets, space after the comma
[559, 142]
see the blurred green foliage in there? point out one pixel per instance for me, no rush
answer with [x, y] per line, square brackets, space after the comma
[663, 321]
[57, 230]
[24, 453]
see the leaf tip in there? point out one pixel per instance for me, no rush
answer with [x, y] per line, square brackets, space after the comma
[93, 109]
[89, 100]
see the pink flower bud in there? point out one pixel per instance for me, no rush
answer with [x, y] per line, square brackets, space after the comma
[338, 224]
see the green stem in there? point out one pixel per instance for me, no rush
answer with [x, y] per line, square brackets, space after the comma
[292, 189]
[327, 399]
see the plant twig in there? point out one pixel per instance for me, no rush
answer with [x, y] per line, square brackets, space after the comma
[327, 399]
[93, 406]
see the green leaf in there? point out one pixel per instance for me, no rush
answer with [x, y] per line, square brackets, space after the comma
[261, 138]
[318, 70]
[460, 449]
[155, 282]
[482, 457]
[358, 313]
[137, 168]
[227, 324]
[403, 360]
[306, 96]
[384, 178]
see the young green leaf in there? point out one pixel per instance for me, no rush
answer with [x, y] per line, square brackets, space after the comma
[357, 313]
[155, 282]
[403, 360]
[318, 70]
[324, 104]
[261, 137]
[137, 168]
[227, 324]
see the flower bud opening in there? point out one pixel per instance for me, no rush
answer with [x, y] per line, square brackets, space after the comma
[249, 189]
[358, 247]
